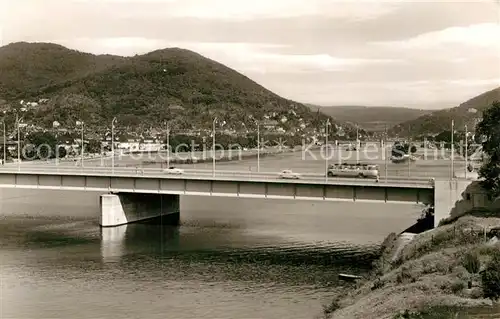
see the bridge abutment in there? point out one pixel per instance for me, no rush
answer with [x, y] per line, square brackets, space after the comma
[453, 198]
[125, 208]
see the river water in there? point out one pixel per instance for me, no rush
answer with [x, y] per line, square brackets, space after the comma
[230, 258]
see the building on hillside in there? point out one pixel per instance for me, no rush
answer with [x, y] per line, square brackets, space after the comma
[8, 142]
[269, 124]
[150, 147]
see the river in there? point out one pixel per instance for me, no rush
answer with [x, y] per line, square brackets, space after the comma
[230, 258]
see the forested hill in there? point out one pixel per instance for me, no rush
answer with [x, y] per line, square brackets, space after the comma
[172, 84]
[436, 122]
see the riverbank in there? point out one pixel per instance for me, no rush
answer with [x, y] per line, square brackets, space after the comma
[436, 274]
[207, 158]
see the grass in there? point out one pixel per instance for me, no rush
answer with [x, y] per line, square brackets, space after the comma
[431, 313]
[430, 278]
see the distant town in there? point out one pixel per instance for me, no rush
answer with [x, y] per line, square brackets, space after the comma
[97, 140]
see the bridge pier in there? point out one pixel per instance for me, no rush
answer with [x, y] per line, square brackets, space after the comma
[125, 208]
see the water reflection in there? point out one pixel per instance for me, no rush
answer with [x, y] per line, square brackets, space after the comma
[228, 259]
[113, 243]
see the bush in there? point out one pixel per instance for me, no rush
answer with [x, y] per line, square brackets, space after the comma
[490, 278]
[61, 152]
[472, 263]
[331, 308]
[457, 286]
[431, 313]
[405, 276]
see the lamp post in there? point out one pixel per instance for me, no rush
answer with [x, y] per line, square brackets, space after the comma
[168, 146]
[113, 145]
[466, 152]
[385, 153]
[452, 149]
[258, 147]
[83, 143]
[409, 150]
[213, 143]
[18, 145]
[327, 124]
[18, 120]
[357, 144]
[4, 144]
[213, 146]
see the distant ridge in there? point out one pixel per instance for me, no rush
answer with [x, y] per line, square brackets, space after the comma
[371, 118]
[438, 121]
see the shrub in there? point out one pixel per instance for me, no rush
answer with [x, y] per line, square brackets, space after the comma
[490, 278]
[472, 263]
[377, 284]
[457, 286]
[431, 313]
[405, 276]
[331, 308]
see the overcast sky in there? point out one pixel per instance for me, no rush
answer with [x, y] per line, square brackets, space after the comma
[427, 54]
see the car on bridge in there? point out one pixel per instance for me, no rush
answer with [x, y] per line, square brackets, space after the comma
[402, 159]
[173, 171]
[288, 174]
[350, 148]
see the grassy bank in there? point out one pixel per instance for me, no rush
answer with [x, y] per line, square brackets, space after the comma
[441, 273]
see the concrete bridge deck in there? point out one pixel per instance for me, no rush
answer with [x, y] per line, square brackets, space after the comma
[228, 184]
[128, 191]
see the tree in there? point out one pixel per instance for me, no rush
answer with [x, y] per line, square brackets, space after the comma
[44, 144]
[490, 278]
[399, 149]
[489, 128]
[61, 152]
[93, 147]
[444, 136]
[28, 152]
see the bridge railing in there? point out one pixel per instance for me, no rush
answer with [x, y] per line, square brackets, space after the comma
[190, 173]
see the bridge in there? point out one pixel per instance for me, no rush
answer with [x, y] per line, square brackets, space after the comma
[132, 195]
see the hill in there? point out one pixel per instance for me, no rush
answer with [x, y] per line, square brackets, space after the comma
[439, 121]
[375, 118]
[172, 84]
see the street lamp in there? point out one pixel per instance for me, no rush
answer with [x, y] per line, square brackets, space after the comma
[466, 151]
[358, 144]
[4, 144]
[452, 149]
[258, 147]
[470, 110]
[4, 140]
[213, 146]
[81, 124]
[18, 120]
[385, 153]
[168, 146]
[327, 124]
[113, 145]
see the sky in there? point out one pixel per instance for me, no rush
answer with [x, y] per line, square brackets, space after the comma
[425, 54]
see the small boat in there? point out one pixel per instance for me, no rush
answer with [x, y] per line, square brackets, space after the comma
[348, 277]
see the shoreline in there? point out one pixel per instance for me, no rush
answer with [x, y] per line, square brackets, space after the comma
[426, 275]
[207, 159]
